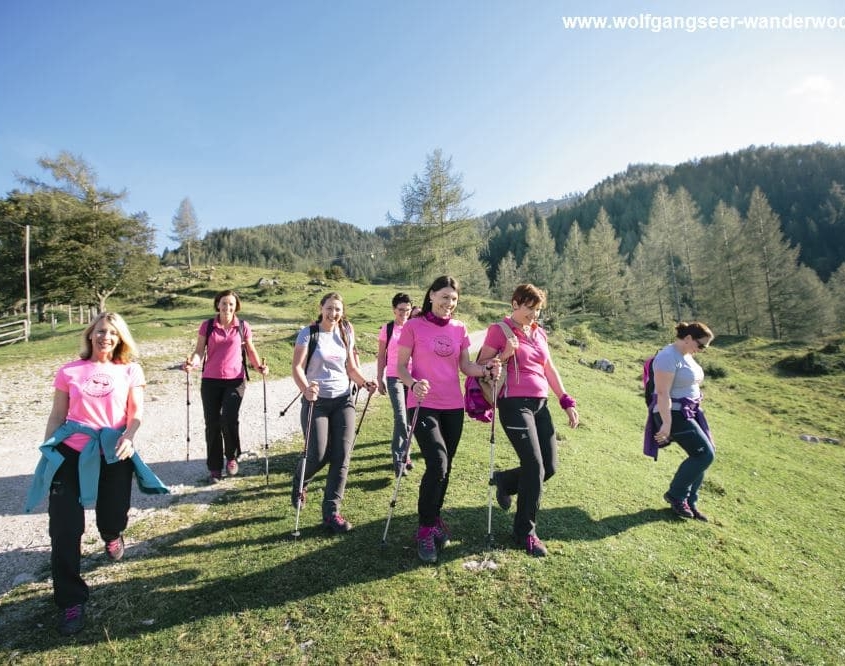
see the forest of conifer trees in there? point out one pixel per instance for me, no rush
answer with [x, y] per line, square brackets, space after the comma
[752, 242]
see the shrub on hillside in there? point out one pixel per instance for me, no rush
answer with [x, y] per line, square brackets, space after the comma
[714, 371]
[809, 365]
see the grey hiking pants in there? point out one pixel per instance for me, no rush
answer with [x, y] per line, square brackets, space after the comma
[332, 433]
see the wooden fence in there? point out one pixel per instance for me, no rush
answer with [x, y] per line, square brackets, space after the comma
[14, 332]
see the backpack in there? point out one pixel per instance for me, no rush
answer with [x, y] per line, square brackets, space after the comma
[209, 326]
[313, 339]
[478, 391]
[389, 330]
[648, 380]
[486, 383]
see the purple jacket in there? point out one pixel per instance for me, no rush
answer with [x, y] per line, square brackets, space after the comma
[691, 410]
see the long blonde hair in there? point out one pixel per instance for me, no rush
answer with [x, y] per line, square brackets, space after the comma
[125, 350]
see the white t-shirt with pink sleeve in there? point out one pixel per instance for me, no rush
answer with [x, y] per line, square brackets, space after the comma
[436, 356]
[98, 394]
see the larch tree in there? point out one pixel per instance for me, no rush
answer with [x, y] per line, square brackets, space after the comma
[690, 243]
[663, 219]
[660, 256]
[724, 293]
[185, 229]
[507, 278]
[836, 288]
[437, 234]
[577, 263]
[807, 307]
[775, 263]
[606, 268]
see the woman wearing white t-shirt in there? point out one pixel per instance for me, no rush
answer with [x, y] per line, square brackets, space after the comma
[324, 380]
[677, 414]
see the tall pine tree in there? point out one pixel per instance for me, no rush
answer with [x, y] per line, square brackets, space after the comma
[606, 268]
[437, 234]
[186, 230]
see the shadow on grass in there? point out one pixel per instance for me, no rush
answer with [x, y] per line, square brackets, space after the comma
[237, 564]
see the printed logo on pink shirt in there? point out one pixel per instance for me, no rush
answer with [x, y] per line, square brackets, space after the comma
[442, 346]
[98, 385]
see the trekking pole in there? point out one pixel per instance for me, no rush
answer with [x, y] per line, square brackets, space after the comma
[407, 450]
[188, 410]
[301, 480]
[492, 465]
[360, 421]
[295, 398]
[266, 445]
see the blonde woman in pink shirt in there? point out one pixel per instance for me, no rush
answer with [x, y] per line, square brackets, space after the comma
[437, 347]
[524, 411]
[103, 390]
[224, 344]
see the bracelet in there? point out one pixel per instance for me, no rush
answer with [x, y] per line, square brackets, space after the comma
[567, 401]
[413, 384]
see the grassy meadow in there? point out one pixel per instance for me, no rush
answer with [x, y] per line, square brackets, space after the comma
[625, 581]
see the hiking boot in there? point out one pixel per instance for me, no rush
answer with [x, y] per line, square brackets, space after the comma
[115, 548]
[71, 620]
[215, 476]
[337, 523]
[535, 547]
[426, 548]
[232, 467]
[679, 507]
[696, 513]
[502, 498]
[442, 534]
[297, 499]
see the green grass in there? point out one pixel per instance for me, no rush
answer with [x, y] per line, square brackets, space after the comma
[276, 312]
[625, 582]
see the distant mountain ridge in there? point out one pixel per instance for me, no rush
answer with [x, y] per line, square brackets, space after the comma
[803, 184]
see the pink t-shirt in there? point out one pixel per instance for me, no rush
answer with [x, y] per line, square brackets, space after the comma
[392, 348]
[223, 352]
[526, 377]
[98, 393]
[436, 355]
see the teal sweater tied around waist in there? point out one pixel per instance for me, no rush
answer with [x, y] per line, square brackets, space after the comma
[101, 446]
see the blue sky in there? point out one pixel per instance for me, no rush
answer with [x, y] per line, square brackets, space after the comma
[266, 111]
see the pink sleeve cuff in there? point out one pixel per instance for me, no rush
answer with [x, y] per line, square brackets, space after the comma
[567, 401]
